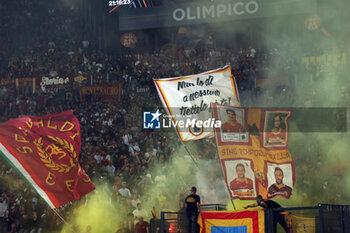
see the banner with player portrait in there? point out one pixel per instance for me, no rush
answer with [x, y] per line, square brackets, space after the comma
[189, 97]
[253, 148]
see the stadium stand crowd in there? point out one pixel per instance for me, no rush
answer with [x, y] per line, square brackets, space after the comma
[114, 148]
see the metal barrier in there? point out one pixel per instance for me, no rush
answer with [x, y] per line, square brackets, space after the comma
[176, 222]
[173, 222]
[212, 207]
[323, 218]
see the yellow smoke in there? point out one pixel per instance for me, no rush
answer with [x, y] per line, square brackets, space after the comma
[103, 215]
[97, 211]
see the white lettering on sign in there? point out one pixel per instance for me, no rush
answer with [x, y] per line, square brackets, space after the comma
[215, 11]
[45, 81]
[176, 15]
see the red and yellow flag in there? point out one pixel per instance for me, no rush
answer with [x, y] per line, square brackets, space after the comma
[252, 145]
[45, 151]
[232, 221]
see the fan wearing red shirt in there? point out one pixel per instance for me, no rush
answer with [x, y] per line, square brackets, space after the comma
[242, 186]
[142, 226]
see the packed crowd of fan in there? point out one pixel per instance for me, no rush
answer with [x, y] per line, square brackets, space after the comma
[114, 148]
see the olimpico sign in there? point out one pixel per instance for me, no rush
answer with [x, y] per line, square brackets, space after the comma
[213, 11]
[216, 11]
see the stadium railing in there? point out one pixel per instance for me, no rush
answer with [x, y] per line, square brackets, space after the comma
[323, 218]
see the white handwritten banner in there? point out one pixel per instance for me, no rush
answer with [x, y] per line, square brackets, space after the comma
[189, 97]
[46, 81]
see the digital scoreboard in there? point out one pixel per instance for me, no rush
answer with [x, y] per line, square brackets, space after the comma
[129, 4]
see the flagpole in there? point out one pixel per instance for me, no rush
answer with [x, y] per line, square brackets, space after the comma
[190, 154]
[233, 204]
[55, 211]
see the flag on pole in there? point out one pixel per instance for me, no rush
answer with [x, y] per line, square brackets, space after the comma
[187, 99]
[45, 151]
[252, 145]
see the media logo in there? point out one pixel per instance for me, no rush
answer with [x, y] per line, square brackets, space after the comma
[151, 120]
